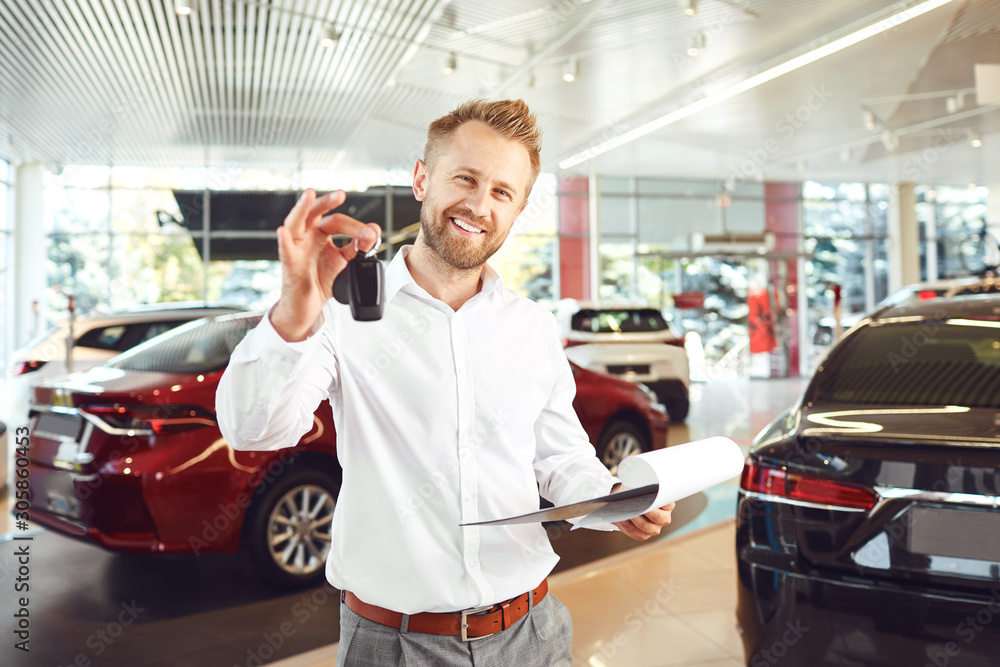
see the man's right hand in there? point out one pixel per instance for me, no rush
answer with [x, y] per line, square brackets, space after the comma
[310, 261]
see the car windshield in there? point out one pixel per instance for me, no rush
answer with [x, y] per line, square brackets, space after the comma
[619, 320]
[201, 346]
[952, 361]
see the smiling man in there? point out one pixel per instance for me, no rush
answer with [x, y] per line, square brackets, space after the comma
[469, 409]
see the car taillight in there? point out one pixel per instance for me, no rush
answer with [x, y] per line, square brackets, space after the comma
[152, 418]
[22, 367]
[805, 488]
[926, 294]
[572, 343]
[677, 342]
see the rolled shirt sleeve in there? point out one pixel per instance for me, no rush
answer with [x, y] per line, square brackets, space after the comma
[271, 388]
[566, 466]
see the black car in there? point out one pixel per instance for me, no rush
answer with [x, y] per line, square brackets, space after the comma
[868, 528]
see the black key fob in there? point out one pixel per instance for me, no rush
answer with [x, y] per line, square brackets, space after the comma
[362, 285]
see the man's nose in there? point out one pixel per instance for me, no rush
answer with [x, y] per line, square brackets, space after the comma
[478, 202]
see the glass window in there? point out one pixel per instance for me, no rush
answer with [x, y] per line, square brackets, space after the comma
[136, 210]
[155, 267]
[248, 283]
[158, 178]
[657, 186]
[616, 216]
[78, 267]
[745, 216]
[671, 221]
[78, 177]
[617, 271]
[526, 262]
[74, 211]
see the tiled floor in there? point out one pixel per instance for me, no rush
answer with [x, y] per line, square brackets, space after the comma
[669, 603]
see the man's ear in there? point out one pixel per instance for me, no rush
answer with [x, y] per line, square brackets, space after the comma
[420, 180]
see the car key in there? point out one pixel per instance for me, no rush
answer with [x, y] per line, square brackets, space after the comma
[362, 285]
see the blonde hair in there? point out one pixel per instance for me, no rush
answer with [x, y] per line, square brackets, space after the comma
[511, 119]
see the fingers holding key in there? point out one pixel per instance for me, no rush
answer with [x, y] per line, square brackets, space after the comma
[303, 220]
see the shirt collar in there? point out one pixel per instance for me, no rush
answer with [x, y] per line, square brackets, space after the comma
[397, 276]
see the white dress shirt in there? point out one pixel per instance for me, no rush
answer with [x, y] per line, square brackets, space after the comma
[442, 417]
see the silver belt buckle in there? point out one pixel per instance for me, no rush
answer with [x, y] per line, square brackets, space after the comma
[465, 624]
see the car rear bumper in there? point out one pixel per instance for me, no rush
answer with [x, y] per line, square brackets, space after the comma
[796, 619]
[106, 510]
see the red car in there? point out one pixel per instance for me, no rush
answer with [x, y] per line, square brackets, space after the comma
[128, 456]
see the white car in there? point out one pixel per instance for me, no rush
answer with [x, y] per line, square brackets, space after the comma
[97, 338]
[632, 341]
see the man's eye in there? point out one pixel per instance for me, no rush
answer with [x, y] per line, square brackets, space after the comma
[503, 193]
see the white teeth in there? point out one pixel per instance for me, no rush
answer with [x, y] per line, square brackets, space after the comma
[466, 226]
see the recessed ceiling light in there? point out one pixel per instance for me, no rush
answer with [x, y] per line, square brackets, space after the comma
[450, 64]
[330, 37]
[890, 140]
[183, 7]
[869, 119]
[695, 44]
[689, 7]
[570, 70]
[955, 103]
[974, 139]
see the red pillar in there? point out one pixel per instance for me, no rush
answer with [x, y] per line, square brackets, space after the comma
[574, 238]
[781, 206]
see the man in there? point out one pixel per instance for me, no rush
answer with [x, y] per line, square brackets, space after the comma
[455, 407]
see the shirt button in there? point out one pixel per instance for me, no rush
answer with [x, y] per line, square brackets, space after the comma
[473, 563]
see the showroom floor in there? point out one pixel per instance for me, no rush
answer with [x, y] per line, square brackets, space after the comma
[679, 588]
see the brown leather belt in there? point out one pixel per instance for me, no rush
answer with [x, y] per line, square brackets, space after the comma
[469, 625]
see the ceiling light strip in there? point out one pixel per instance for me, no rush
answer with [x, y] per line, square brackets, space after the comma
[753, 81]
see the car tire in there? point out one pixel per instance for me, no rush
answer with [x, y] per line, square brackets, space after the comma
[287, 532]
[620, 440]
[677, 407]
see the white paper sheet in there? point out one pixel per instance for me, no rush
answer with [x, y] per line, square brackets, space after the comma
[654, 479]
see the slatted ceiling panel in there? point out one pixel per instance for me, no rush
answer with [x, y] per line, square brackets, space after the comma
[977, 17]
[230, 74]
[245, 82]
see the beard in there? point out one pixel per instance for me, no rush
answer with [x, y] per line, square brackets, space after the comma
[458, 251]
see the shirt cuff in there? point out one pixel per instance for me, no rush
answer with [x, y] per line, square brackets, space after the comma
[268, 341]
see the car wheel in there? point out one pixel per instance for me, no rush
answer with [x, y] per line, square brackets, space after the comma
[287, 533]
[677, 408]
[620, 440]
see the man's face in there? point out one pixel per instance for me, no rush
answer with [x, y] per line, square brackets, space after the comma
[471, 194]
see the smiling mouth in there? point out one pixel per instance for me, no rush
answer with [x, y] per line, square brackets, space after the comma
[462, 224]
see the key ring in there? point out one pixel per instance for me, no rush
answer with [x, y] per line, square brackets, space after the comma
[374, 251]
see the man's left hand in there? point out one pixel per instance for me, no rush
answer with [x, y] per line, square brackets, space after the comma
[647, 525]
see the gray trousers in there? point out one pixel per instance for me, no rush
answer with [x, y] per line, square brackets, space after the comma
[542, 638]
